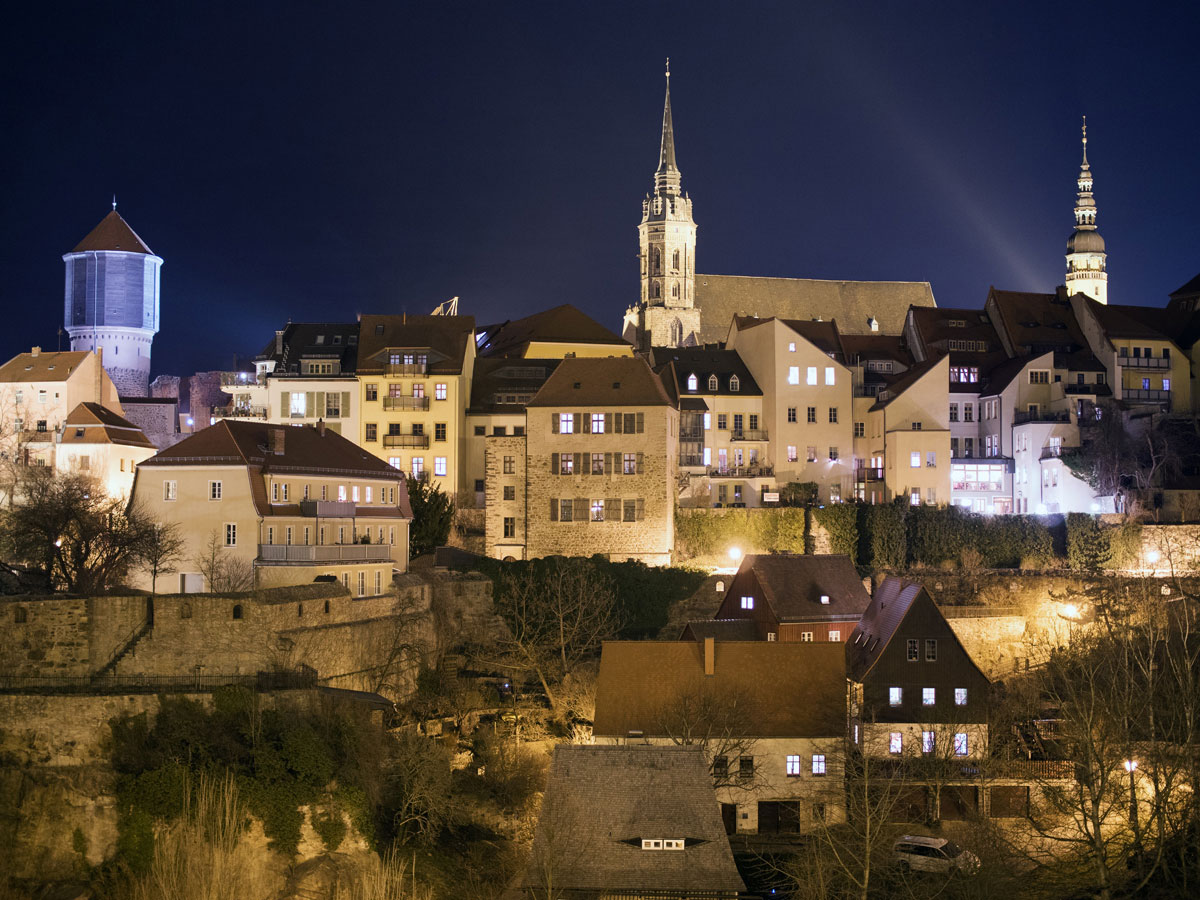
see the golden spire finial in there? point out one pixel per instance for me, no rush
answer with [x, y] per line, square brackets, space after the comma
[668, 67]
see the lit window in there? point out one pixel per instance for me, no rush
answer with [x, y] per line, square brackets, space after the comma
[914, 459]
[708, 421]
[793, 374]
[439, 391]
[928, 696]
[597, 423]
[806, 637]
[597, 510]
[368, 493]
[793, 764]
[960, 743]
[895, 742]
[418, 466]
[791, 453]
[835, 636]
[747, 603]
[811, 375]
[829, 377]
[342, 493]
[1166, 384]
[926, 741]
[439, 466]
[791, 347]
[818, 764]
[354, 493]
[895, 696]
[960, 696]
[693, 383]
[566, 423]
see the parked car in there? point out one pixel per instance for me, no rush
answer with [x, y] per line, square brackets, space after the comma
[932, 854]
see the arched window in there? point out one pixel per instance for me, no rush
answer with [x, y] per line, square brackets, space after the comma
[675, 261]
[656, 257]
[734, 384]
[693, 382]
[237, 610]
[712, 383]
[657, 292]
[720, 587]
[674, 290]
[676, 333]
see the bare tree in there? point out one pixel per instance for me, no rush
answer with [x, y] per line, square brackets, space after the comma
[163, 551]
[85, 540]
[719, 720]
[224, 573]
[558, 612]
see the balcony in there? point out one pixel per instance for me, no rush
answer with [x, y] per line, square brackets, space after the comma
[1141, 395]
[749, 434]
[406, 368]
[1042, 415]
[322, 554]
[328, 509]
[691, 459]
[414, 441]
[868, 474]
[240, 412]
[741, 472]
[691, 434]
[1144, 362]
[406, 403]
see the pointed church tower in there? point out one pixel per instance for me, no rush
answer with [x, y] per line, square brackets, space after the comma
[1086, 259]
[665, 315]
[112, 301]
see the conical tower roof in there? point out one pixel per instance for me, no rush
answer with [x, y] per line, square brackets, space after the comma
[113, 233]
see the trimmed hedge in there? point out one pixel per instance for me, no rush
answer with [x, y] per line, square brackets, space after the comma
[702, 532]
[1093, 547]
[840, 522]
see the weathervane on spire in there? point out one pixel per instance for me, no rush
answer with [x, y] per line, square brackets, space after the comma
[114, 201]
[1085, 139]
[668, 67]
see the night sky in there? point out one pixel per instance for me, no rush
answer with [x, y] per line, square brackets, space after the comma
[315, 161]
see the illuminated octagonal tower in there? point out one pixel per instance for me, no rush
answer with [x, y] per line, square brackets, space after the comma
[112, 301]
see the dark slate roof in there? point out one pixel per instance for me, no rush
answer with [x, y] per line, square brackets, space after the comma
[1037, 322]
[794, 584]
[1131, 321]
[495, 380]
[891, 603]
[313, 340]
[443, 338]
[934, 332]
[600, 802]
[562, 324]
[1003, 374]
[1192, 287]
[858, 348]
[113, 233]
[720, 630]
[602, 383]
[853, 303]
[823, 335]
[704, 363]
[763, 677]
[100, 425]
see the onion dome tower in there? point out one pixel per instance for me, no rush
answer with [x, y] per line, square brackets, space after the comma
[666, 315]
[1086, 259]
[111, 305]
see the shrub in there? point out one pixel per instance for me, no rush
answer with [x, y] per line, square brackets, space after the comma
[330, 827]
[1087, 546]
[886, 545]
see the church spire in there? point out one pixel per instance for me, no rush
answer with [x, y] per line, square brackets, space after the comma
[1086, 259]
[666, 178]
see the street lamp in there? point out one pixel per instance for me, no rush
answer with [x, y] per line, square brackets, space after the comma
[735, 554]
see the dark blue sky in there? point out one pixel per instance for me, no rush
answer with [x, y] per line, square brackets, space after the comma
[314, 161]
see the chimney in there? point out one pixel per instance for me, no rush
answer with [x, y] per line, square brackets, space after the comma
[321, 427]
[710, 656]
[276, 441]
[278, 342]
[35, 351]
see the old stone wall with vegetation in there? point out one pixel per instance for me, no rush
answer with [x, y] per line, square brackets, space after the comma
[65, 635]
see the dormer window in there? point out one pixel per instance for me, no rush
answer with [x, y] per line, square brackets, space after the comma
[825, 599]
[662, 843]
[734, 384]
[693, 382]
[712, 383]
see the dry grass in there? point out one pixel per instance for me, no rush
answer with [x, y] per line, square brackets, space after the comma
[388, 878]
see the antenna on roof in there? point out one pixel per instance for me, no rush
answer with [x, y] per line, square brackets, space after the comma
[114, 201]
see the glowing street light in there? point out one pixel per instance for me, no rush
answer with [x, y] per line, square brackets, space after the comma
[1131, 766]
[735, 554]
[1153, 557]
[1070, 611]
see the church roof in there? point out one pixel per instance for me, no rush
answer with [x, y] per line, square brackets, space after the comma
[113, 233]
[853, 303]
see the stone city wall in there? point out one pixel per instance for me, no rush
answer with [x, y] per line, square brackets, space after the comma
[54, 635]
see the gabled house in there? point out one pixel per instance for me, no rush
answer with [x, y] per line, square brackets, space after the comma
[788, 597]
[915, 688]
[630, 821]
[289, 503]
[770, 716]
[98, 442]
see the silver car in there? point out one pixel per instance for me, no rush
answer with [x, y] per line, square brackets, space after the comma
[930, 854]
